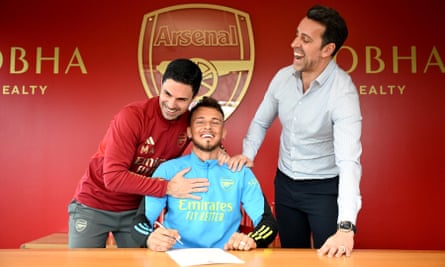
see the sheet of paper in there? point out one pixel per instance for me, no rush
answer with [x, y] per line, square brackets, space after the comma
[197, 256]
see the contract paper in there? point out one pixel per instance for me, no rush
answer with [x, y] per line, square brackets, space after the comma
[198, 256]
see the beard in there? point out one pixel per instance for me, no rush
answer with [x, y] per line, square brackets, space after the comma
[206, 146]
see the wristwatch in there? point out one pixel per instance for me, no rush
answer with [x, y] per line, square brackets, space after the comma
[346, 226]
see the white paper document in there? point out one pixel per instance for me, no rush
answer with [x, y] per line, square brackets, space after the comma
[198, 256]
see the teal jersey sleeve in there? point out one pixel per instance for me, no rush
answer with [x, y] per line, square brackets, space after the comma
[155, 205]
[252, 197]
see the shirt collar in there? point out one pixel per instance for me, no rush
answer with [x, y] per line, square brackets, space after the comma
[198, 162]
[322, 78]
[326, 73]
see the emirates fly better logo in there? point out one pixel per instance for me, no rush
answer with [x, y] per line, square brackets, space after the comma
[219, 39]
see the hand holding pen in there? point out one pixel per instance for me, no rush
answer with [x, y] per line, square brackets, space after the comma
[162, 239]
[175, 238]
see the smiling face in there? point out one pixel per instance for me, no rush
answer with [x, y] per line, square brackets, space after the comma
[206, 129]
[174, 99]
[309, 54]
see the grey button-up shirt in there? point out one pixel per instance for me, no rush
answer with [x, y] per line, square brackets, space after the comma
[321, 131]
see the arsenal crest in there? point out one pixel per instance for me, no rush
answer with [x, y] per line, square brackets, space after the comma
[219, 39]
[226, 183]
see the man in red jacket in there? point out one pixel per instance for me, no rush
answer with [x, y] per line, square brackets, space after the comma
[140, 137]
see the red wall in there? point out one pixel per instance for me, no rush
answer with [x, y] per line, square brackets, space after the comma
[46, 140]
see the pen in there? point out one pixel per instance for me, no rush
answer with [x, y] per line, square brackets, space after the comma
[162, 226]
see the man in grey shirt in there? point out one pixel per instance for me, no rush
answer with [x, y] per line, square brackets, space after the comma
[317, 193]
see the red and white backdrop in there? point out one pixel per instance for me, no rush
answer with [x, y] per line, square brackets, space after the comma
[67, 67]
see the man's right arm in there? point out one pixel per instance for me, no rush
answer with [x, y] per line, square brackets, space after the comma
[264, 116]
[141, 226]
[263, 119]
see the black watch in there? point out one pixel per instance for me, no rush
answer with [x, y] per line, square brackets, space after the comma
[346, 226]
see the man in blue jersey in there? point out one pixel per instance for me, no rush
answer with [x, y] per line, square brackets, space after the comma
[214, 220]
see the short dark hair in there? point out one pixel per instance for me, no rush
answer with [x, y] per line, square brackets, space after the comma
[185, 71]
[336, 29]
[208, 102]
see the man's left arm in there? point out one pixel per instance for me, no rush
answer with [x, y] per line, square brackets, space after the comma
[258, 209]
[347, 120]
[266, 230]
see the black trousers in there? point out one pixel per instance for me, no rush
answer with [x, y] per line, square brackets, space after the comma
[305, 209]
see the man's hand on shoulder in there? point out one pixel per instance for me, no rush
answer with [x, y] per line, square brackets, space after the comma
[237, 162]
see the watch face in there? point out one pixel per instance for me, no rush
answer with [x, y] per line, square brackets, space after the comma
[345, 225]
